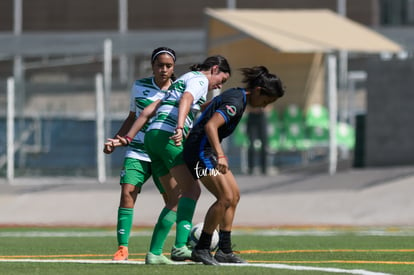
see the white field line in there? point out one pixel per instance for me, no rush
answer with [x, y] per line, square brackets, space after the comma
[274, 266]
[259, 232]
[311, 268]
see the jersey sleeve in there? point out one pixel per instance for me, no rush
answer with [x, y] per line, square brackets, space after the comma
[231, 107]
[197, 86]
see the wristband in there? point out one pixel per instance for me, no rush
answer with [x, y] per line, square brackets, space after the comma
[128, 139]
[179, 127]
[222, 157]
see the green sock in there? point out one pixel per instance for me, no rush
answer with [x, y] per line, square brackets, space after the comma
[166, 220]
[124, 225]
[185, 213]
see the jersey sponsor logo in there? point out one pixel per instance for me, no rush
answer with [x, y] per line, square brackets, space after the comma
[231, 110]
[146, 92]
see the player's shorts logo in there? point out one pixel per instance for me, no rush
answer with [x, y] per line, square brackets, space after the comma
[122, 173]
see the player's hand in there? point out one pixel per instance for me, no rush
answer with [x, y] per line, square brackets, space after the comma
[178, 136]
[222, 164]
[116, 142]
[108, 148]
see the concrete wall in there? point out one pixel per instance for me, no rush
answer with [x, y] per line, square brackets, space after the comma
[389, 133]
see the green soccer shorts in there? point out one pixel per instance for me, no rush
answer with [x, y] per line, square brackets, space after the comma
[137, 172]
[163, 152]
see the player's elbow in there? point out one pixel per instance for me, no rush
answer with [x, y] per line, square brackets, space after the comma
[147, 113]
[187, 97]
[210, 129]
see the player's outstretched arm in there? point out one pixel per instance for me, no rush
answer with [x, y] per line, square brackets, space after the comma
[139, 123]
[126, 125]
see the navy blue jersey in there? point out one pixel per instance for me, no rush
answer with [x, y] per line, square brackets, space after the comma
[198, 153]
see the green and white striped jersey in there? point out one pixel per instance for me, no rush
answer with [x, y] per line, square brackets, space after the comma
[167, 114]
[143, 93]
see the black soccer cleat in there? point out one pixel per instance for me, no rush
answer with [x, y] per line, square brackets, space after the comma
[222, 257]
[204, 256]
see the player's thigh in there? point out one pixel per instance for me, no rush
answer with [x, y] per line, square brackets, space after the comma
[189, 187]
[218, 185]
[157, 145]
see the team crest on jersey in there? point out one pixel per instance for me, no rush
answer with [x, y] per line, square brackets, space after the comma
[231, 110]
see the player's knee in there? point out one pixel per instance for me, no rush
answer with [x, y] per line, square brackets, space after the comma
[193, 191]
[236, 199]
[225, 201]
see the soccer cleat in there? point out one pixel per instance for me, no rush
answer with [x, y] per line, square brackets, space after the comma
[204, 256]
[121, 254]
[180, 254]
[222, 257]
[157, 259]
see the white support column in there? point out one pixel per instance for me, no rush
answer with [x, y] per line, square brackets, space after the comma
[123, 15]
[18, 60]
[333, 112]
[123, 29]
[10, 129]
[100, 128]
[343, 85]
[231, 4]
[341, 7]
[107, 67]
[343, 70]
[107, 87]
[17, 17]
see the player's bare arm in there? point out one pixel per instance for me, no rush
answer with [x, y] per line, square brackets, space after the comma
[211, 128]
[142, 119]
[127, 124]
[185, 104]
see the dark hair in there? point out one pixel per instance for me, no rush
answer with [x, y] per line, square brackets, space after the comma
[259, 76]
[162, 50]
[212, 61]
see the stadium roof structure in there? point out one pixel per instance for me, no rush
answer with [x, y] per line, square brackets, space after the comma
[32, 44]
[298, 31]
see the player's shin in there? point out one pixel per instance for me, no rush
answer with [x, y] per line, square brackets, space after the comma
[185, 213]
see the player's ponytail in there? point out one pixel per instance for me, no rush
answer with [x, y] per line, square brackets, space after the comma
[211, 61]
[259, 76]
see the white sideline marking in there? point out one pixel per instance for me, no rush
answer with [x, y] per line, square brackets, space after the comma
[311, 268]
[270, 232]
[64, 234]
[275, 266]
[80, 261]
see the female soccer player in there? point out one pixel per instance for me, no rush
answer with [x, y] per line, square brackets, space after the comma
[206, 160]
[173, 119]
[137, 164]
